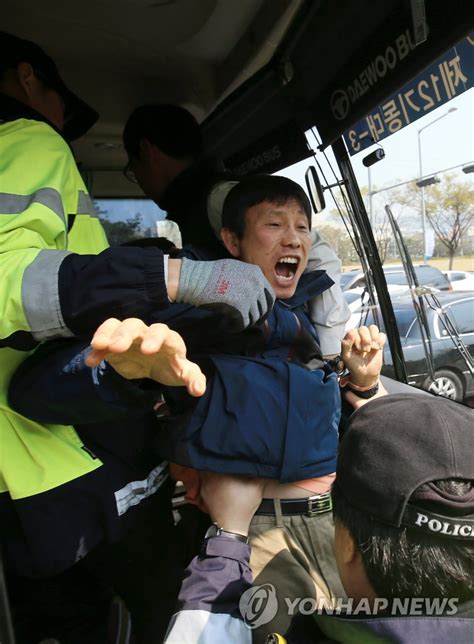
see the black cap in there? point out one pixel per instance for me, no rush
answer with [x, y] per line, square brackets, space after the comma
[79, 117]
[400, 444]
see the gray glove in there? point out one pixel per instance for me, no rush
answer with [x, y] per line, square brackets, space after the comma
[228, 286]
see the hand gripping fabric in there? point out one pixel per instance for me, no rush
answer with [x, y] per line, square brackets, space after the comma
[227, 286]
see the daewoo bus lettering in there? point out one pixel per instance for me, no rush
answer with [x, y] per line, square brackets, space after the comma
[450, 75]
[370, 76]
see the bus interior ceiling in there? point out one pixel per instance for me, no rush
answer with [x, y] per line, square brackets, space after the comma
[250, 70]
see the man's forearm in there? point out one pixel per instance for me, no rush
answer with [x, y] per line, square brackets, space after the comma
[172, 281]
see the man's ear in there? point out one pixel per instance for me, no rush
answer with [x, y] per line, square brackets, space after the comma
[148, 151]
[27, 79]
[348, 550]
[231, 241]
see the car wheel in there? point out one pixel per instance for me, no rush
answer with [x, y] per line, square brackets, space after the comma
[447, 384]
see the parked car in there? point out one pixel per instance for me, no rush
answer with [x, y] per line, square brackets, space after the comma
[461, 280]
[395, 276]
[452, 376]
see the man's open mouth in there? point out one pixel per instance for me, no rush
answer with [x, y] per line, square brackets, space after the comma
[285, 269]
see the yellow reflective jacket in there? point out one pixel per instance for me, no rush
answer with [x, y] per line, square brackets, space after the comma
[40, 187]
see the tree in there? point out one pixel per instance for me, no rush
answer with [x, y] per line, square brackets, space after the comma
[381, 228]
[340, 241]
[450, 211]
[119, 232]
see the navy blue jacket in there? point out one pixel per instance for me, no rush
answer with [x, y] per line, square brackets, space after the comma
[244, 424]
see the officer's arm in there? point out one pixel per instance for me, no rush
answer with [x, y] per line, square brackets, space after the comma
[216, 590]
[56, 386]
[208, 602]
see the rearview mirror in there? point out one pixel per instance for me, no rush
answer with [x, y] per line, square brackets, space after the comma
[315, 189]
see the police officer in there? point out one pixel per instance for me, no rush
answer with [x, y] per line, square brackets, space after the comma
[50, 291]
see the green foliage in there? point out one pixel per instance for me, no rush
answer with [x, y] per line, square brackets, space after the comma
[119, 232]
[340, 241]
[450, 211]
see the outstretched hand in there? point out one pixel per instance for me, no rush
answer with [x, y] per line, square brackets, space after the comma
[136, 350]
[362, 353]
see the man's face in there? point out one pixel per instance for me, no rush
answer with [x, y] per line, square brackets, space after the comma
[277, 238]
[149, 170]
[50, 104]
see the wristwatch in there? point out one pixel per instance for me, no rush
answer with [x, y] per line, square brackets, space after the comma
[216, 531]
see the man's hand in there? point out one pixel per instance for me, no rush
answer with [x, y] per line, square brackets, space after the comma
[362, 353]
[136, 350]
[239, 290]
[231, 500]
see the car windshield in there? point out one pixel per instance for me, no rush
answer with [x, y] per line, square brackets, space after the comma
[396, 278]
[426, 275]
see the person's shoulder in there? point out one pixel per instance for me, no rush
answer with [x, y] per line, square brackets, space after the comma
[30, 125]
[32, 134]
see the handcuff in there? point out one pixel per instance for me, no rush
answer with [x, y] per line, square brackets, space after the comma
[337, 365]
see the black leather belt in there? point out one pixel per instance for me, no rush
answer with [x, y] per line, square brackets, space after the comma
[311, 506]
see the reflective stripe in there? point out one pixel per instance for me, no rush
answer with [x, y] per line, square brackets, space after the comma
[136, 491]
[11, 204]
[85, 205]
[40, 296]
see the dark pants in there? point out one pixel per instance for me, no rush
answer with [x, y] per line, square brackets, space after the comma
[145, 569]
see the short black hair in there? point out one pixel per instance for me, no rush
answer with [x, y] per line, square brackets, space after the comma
[256, 189]
[404, 562]
[171, 128]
